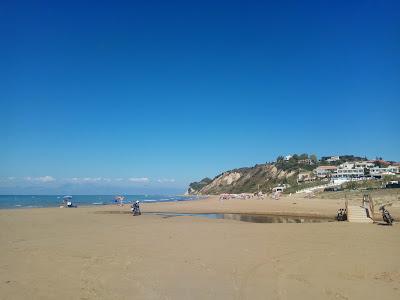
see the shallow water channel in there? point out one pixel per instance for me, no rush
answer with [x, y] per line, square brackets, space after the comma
[253, 218]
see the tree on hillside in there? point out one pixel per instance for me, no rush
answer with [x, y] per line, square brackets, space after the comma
[199, 185]
[303, 156]
[314, 158]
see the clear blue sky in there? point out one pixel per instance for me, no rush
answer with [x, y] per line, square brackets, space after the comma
[166, 93]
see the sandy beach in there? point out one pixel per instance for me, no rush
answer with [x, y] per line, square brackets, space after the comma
[89, 253]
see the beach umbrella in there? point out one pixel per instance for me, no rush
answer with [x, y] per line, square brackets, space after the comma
[119, 199]
[67, 199]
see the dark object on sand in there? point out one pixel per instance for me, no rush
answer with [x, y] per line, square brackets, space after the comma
[386, 215]
[341, 214]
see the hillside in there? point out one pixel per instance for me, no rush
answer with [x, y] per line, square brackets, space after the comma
[264, 177]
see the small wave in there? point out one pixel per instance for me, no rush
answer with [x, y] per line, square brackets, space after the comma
[18, 205]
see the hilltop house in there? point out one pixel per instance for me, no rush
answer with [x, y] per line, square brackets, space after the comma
[306, 161]
[288, 157]
[330, 158]
[333, 158]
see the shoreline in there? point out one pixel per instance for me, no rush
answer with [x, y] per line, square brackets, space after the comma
[290, 206]
[88, 205]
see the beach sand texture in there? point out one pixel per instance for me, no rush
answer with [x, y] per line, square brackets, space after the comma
[54, 253]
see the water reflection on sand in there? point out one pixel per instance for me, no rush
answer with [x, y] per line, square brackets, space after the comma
[253, 218]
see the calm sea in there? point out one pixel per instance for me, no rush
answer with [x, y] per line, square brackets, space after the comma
[28, 201]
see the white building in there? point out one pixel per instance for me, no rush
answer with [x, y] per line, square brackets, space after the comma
[349, 170]
[324, 171]
[346, 165]
[349, 173]
[378, 172]
[364, 164]
[287, 157]
[333, 158]
[278, 189]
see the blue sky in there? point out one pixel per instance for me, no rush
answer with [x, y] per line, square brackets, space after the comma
[168, 93]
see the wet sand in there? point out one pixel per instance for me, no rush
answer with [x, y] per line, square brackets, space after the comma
[58, 253]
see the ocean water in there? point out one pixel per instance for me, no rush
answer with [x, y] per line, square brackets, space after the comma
[31, 201]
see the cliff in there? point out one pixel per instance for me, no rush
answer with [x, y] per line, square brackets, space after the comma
[261, 177]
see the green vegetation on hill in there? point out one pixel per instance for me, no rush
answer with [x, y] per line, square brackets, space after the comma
[342, 159]
[197, 186]
[261, 177]
[297, 162]
[264, 177]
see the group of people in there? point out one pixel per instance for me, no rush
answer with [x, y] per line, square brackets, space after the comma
[244, 196]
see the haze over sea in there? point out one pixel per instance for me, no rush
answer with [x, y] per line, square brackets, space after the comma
[32, 201]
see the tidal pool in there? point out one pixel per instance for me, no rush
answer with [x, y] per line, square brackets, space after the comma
[253, 218]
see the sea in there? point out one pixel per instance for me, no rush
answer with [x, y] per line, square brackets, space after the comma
[37, 201]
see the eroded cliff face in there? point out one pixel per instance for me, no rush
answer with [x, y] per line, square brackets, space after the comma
[245, 180]
[226, 179]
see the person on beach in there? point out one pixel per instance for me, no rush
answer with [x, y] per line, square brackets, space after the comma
[136, 209]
